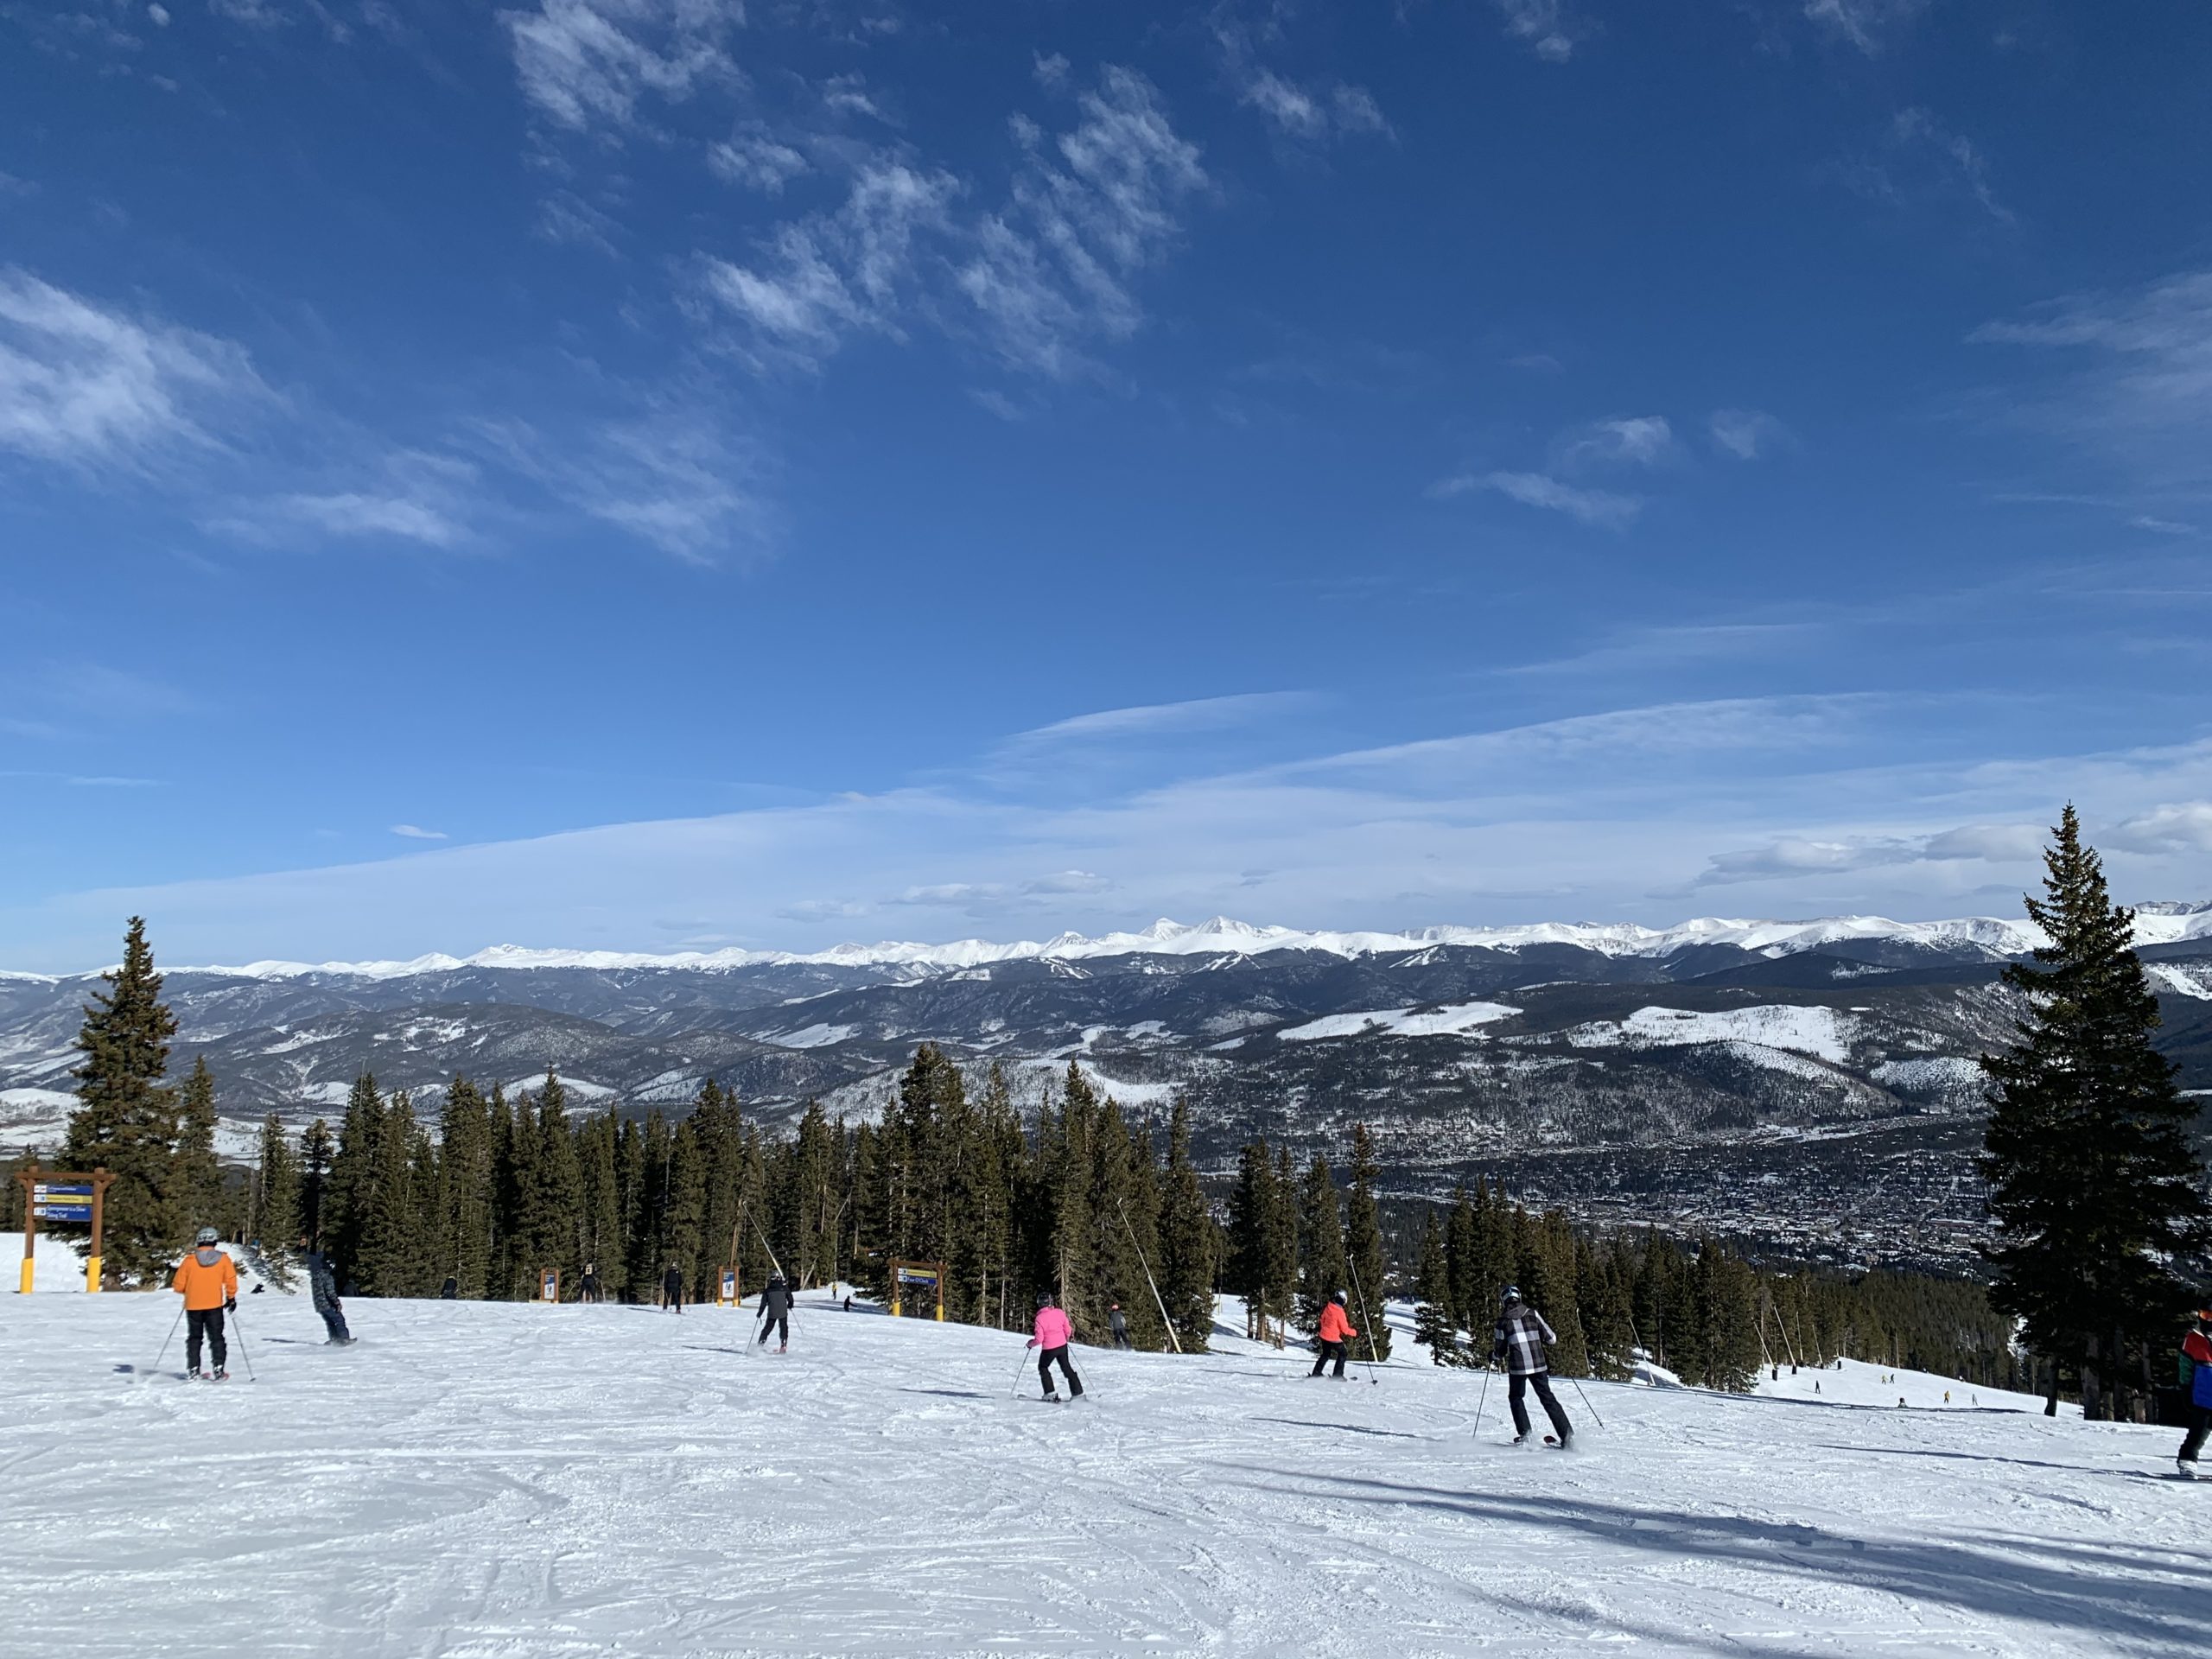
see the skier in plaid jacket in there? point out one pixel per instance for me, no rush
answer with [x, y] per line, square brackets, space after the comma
[1519, 1341]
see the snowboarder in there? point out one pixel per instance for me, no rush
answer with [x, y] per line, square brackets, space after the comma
[1520, 1340]
[1335, 1331]
[323, 1291]
[671, 1288]
[208, 1281]
[1050, 1343]
[776, 1313]
[1117, 1323]
[2196, 1357]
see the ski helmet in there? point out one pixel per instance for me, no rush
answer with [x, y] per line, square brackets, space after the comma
[1044, 1299]
[1338, 1297]
[1512, 1295]
[208, 1236]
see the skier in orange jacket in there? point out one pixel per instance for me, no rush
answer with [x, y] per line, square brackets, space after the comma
[208, 1281]
[1336, 1330]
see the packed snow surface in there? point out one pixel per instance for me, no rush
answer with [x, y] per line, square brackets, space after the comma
[481, 1480]
[2159, 925]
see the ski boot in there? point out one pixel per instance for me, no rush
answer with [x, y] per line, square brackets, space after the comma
[783, 1347]
[192, 1375]
[221, 1376]
[2185, 1467]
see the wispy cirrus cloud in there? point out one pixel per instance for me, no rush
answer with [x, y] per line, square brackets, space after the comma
[1605, 509]
[1921, 162]
[90, 386]
[1547, 27]
[2009, 844]
[1197, 713]
[1868, 25]
[588, 65]
[1746, 434]
[1616, 440]
[416, 832]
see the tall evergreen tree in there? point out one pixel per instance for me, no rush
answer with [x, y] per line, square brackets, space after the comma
[316, 1150]
[349, 1191]
[1251, 1201]
[195, 1186]
[1363, 1243]
[388, 1258]
[2094, 1182]
[1321, 1242]
[1186, 1240]
[275, 1210]
[126, 1120]
[1433, 1326]
[467, 1190]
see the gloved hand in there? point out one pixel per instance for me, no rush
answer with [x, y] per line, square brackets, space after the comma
[230, 1304]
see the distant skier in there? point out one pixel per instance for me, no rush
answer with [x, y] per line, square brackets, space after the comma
[776, 1313]
[589, 1289]
[323, 1291]
[848, 1302]
[1520, 1340]
[208, 1281]
[1051, 1342]
[1336, 1331]
[671, 1288]
[1117, 1323]
[450, 1291]
[2196, 1355]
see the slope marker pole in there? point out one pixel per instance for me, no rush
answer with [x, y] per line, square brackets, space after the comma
[1367, 1325]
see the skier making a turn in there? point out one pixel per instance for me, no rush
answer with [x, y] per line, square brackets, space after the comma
[1117, 1325]
[1519, 1341]
[2197, 1353]
[776, 1313]
[1336, 1331]
[323, 1291]
[1050, 1343]
[208, 1281]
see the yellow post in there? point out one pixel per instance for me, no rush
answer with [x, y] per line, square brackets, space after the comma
[91, 1275]
[24, 1287]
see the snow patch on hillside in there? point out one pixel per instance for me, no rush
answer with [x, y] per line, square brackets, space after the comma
[1454, 1019]
[2182, 979]
[1936, 1074]
[1822, 1032]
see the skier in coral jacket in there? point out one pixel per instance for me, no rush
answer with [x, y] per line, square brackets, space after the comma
[1336, 1330]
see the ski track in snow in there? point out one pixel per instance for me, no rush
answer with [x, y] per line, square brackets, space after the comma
[496, 1481]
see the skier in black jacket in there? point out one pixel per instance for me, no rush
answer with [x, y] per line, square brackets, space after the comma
[1519, 1341]
[1117, 1325]
[671, 1288]
[323, 1291]
[776, 1313]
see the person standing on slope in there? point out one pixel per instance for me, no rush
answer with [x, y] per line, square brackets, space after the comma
[1335, 1331]
[2196, 1354]
[776, 1313]
[1117, 1325]
[208, 1281]
[671, 1288]
[323, 1291]
[1051, 1342]
[1520, 1340]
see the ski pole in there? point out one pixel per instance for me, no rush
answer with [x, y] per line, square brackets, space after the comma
[173, 1322]
[245, 1353]
[1586, 1406]
[1481, 1399]
[1013, 1390]
[1367, 1325]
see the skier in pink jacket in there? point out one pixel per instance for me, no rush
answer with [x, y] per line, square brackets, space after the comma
[1050, 1343]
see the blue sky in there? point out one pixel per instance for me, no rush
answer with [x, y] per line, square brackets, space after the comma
[658, 474]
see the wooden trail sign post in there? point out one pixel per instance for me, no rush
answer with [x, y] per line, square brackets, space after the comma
[918, 1275]
[56, 1195]
[726, 1294]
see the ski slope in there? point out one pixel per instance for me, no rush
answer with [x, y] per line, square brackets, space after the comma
[493, 1481]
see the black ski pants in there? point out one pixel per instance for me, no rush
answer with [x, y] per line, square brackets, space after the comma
[778, 1323]
[1541, 1382]
[208, 1323]
[1045, 1359]
[1329, 1351]
[2200, 1426]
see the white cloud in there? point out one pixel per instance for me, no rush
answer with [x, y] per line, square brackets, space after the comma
[1620, 441]
[160, 14]
[1315, 113]
[2186, 827]
[589, 63]
[2011, 844]
[1545, 26]
[350, 513]
[1746, 434]
[1050, 70]
[1865, 23]
[411, 832]
[1198, 713]
[1958, 162]
[89, 386]
[1599, 507]
[752, 156]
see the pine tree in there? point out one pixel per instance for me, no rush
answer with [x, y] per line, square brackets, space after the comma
[1363, 1246]
[1186, 1240]
[125, 1120]
[276, 1211]
[1280, 1244]
[1433, 1323]
[1321, 1242]
[195, 1185]
[1468, 1305]
[467, 1191]
[388, 1258]
[349, 1191]
[1251, 1201]
[2093, 1183]
[317, 1152]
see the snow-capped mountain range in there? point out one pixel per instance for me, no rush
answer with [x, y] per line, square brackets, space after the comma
[2162, 923]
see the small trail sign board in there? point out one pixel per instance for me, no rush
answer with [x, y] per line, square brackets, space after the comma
[57, 1195]
[925, 1277]
[726, 1296]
